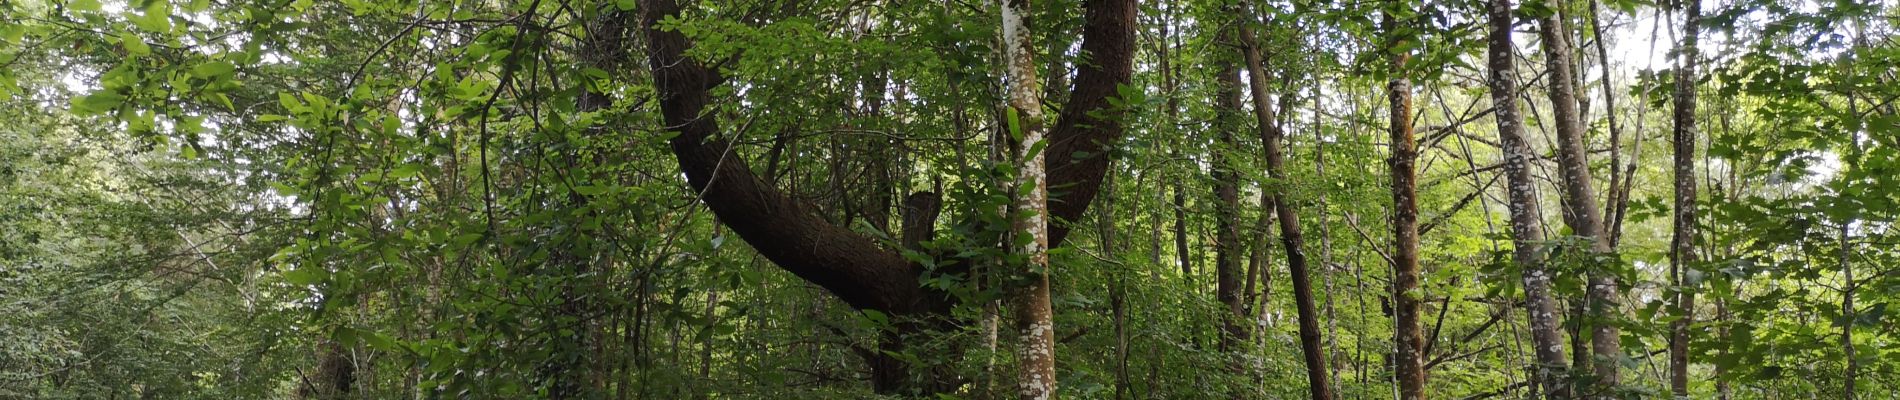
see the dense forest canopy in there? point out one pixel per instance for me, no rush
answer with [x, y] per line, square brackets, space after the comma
[1248, 199]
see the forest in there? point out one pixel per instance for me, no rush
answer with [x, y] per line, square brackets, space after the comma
[949, 199]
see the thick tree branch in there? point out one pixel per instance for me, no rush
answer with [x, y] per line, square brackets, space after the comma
[854, 267]
[1078, 152]
[779, 227]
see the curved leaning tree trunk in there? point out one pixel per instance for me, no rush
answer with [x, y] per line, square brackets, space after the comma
[853, 267]
[1527, 226]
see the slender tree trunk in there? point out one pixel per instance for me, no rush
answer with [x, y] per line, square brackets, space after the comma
[1580, 205]
[1527, 227]
[1035, 322]
[1180, 235]
[1326, 261]
[1847, 313]
[1117, 290]
[1227, 245]
[1317, 379]
[1409, 363]
[1614, 201]
[1682, 249]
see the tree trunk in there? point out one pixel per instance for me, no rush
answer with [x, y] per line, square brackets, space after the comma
[1579, 198]
[1614, 199]
[1847, 315]
[1317, 379]
[1117, 290]
[1682, 248]
[1227, 245]
[1409, 363]
[1035, 320]
[1527, 226]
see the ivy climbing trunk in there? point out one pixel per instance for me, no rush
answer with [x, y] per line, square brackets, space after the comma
[1409, 362]
[1291, 238]
[1527, 226]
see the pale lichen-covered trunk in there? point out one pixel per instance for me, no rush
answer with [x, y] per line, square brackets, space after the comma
[1579, 194]
[1682, 249]
[1527, 226]
[1290, 234]
[1409, 363]
[1035, 323]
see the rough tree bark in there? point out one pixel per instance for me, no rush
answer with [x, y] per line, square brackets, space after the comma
[1579, 195]
[1317, 379]
[1409, 363]
[1682, 247]
[853, 267]
[1527, 226]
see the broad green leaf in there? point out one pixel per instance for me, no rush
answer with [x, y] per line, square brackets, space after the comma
[134, 45]
[212, 69]
[97, 102]
[156, 17]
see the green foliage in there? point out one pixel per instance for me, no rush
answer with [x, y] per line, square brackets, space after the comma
[431, 199]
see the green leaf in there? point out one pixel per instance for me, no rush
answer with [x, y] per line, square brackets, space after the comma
[306, 276]
[83, 5]
[289, 101]
[212, 69]
[405, 171]
[134, 45]
[156, 17]
[1872, 316]
[1015, 124]
[591, 190]
[283, 189]
[379, 341]
[97, 102]
[463, 240]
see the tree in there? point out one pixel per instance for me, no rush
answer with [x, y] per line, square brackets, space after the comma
[836, 199]
[1527, 227]
[847, 264]
[1227, 244]
[1291, 238]
[1682, 249]
[1035, 320]
[1581, 212]
[1409, 339]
